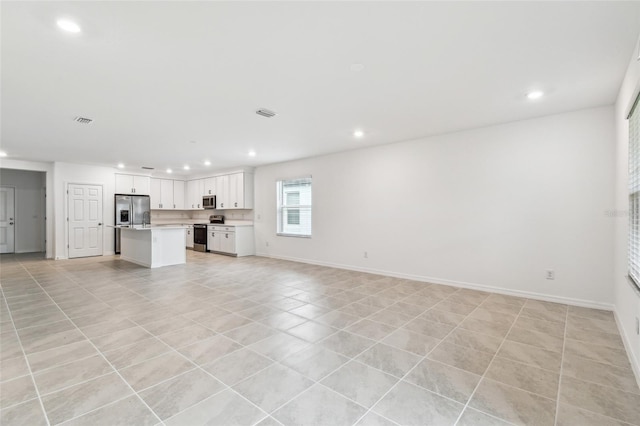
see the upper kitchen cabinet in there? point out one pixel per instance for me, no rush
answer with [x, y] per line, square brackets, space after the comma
[162, 194]
[193, 198]
[240, 195]
[234, 191]
[178, 195]
[222, 192]
[209, 186]
[133, 184]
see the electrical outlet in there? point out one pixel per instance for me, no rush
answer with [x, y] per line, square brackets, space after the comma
[258, 217]
[267, 243]
[551, 274]
[366, 255]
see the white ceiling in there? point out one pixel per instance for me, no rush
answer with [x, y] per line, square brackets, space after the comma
[156, 76]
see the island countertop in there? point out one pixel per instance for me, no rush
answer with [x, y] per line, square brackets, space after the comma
[149, 227]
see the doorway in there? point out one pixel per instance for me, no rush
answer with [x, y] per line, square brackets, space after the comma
[7, 216]
[85, 220]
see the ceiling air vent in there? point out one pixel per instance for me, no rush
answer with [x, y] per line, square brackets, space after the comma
[83, 120]
[265, 113]
[147, 168]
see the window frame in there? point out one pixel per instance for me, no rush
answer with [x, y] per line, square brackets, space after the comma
[633, 248]
[283, 209]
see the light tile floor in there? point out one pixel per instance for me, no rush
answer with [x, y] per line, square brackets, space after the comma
[247, 341]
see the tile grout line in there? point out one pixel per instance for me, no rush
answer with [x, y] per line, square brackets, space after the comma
[504, 339]
[24, 354]
[564, 342]
[422, 360]
[232, 292]
[196, 367]
[331, 372]
[97, 350]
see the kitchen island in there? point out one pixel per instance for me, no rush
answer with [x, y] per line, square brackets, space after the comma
[153, 246]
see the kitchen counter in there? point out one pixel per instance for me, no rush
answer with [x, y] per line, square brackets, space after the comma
[151, 226]
[153, 246]
[234, 225]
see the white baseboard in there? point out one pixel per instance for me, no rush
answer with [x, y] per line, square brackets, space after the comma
[635, 363]
[137, 262]
[473, 286]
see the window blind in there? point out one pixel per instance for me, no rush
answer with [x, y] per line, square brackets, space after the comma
[294, 207]
[634, 193]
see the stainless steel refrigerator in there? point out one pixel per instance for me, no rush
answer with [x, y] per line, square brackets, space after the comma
[131, 210]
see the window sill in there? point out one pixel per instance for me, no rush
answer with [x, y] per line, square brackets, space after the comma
[633, 285]
[292, 235]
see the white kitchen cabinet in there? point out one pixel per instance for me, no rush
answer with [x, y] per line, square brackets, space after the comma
[178, 195]
[231, 240]
[161, 194]
[233, 191]
[222, 192]
[133, 184]
[209, 186]
[240, 191]
[166, 194]
[156, 197]
[190, 236]
[193, 199]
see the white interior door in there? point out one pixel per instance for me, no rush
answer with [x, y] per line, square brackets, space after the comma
[85, 220]
[7, 222]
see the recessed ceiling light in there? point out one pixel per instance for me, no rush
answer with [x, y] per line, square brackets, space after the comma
[186, 167]
[121, 165]
[3, 154]
[207, 163]
[68, 26]
[536, 94]
[357, 67]
[252, 153]
[358, 133]
[169, 171]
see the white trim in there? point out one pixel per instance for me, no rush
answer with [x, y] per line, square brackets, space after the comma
[635, 363]
[15, 210]
[47, 169]
[518, 293]
[66, 215]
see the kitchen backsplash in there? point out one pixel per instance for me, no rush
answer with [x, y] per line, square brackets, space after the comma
[178, 216]
[228, 214]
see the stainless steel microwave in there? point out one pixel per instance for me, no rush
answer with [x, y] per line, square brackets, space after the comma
[209, 201]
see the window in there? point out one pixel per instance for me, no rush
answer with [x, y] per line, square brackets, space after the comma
[294, 207]
[293, 215]
[634, 194]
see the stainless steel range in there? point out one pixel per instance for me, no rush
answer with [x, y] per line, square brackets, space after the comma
[200, 237]
[200, 232]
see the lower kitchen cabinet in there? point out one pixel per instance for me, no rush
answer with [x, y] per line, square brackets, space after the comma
[190, 237]
[231, 240]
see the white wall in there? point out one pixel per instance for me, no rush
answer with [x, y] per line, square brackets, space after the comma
[492, 207]
[47, 168]
[627, 300]
[29, 208]
[66, 173]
